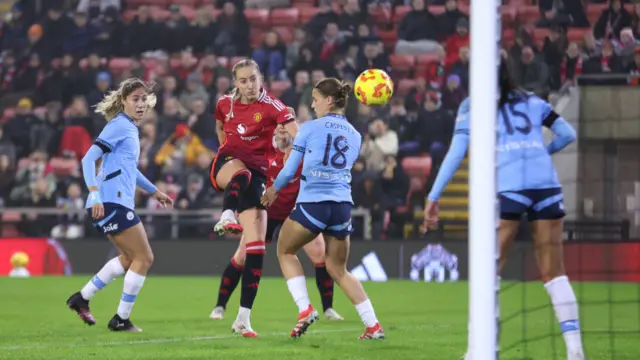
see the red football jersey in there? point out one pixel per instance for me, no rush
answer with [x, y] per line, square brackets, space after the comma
[250, 130]
[286, 199]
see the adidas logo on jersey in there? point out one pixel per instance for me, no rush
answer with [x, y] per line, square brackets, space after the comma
[370, 269]
[110, 227]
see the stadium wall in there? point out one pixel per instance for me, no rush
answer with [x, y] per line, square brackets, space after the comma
[370, 261]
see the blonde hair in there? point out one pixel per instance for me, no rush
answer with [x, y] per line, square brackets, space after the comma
[112, 104]
[235, 94]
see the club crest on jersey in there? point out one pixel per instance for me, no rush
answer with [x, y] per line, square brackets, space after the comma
[242, 128]
[257, 117]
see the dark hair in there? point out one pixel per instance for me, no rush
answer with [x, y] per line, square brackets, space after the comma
[505, 83]
[335, 88]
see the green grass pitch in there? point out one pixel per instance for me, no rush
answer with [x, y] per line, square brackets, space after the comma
[422, 321]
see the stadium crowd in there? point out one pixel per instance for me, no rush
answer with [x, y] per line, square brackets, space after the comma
[59, 57]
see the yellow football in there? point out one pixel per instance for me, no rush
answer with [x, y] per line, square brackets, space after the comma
[19, 259]
[373, 87]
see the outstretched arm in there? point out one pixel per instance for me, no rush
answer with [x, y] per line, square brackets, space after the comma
[451, 162]
[290, 168]
[144, 183]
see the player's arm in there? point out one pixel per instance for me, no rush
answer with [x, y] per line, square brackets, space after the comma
[220, 118]
[293, 162]
[454, 157]
[144, 183]
[565, 134]
[108, 139]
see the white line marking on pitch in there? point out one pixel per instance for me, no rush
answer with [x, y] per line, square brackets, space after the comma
[197, 338]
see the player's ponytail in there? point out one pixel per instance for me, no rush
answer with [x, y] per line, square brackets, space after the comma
[112, 104]
[335, 88]
[505, 84]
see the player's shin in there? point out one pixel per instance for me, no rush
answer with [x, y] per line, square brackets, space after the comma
[112, 269]
[565, 305]
[235, 188]
[229, 282]
[252, 273]
[132, 284]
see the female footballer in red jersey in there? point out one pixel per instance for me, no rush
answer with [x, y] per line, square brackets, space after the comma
[277, 214]
[246, 120]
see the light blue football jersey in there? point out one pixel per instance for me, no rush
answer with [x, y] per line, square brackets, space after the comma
[330, 146]
[523, 162]
[119, 140]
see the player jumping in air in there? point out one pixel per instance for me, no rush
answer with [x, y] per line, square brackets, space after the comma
[330, 147]
[246, 120]
[527, 184]
[277, 214]
[110, 203]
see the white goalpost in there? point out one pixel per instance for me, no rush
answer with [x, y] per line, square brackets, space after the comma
[485, 20]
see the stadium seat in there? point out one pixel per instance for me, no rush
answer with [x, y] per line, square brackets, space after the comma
[285, 17]
[528, 13]
[215, 12]
[236, 59]
[137, 3]
[402, 64]
[400, 12]
[417, 167]
[594, 11]
[129, 15]
[404, 86]
[577, 34]
[508, 13]
[388, 37]
[257, 17]
[464, 8]
[223, 61]
[159, 14]
[62, 166]
[285, 33]
[508, 36]
[436, 9]
[117, 65]
[306, 13]
[425, 59]
[539, 34]
[380, 15]
[278, 87]
[188, 12]
[256, 37]
[11, 216]
[192, 3]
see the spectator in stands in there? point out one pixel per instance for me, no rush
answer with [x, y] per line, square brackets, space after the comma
[373, 57]
[607, 62]
[418, 30]
[108, 42]
[171, 116]
[293, 48]
[357, 172]
[192, 196]
[532, 73]
[461, 67]
[142, 33]
[8, 72]
[81, 38]
[330, 44]
[453, 93]
[7, 176]
[521, 39]
[318, 23]
[14, 30]
[102, 85]
[627, 44]
[56, 27]
[179, 151]
[78, 115]
[562, 12]
[291, 97]
[27, 176]
[18, 129]
[378, 143]
[40, 195]
[203, 124]
[612, 21]
[94, 8]
[346, 67]
[30, 77]
[371, 197]
[233, 32]
[351, 18]
[148, 148]
[449, 20]
[591, 46]
[222, 87]
[193, 90]
[7, 148]
[635, 21]
[71, 223]
[418, 93]
[405, 124]
[553, 50]
[202, 32]
[201, 169]
[54, 126]
[174, 31]
[35, 44]
[271, 57]
[395, 183]
[62, 83]
[436, 127]
[571, 66]
[455, 41]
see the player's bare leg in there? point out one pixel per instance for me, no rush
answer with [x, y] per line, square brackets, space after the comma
[316, 252]
[254, 224]
[133, 242]
[547, 235]
[293, 237]
[230, 280]
[507, 231]
[337, 255]
[234, 178]
[79, 302]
